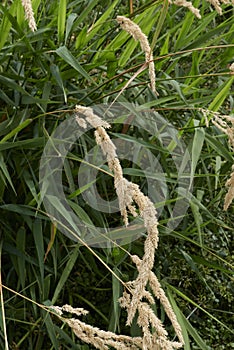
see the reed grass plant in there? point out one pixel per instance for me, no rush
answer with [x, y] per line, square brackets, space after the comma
[165, 60]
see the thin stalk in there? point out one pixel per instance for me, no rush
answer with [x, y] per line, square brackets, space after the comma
[160, 23]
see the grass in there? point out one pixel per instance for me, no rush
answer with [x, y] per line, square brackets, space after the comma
[79, 56]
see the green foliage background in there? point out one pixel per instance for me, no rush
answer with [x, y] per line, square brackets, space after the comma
[79, 55]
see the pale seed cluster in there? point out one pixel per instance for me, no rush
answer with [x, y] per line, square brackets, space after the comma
[135, 31]
[28, 11]
[188, 5]
[215, 3]
[93, 335]
[225, 123]
[136, 299]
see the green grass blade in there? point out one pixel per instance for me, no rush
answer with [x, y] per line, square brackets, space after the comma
[57, 76]
[16, 130]
[5, 172]
[96, 27]
[221, 95]
[66, 272]
[20, 15]
[66, 216]
[38, 238]
[51, 331]
[86, 12]
[10, 83]
[186, 326]
[65, 54]
[202, 39]
[219, 147]
[194, 334]
[66, 339]
[185, 297]
[116, 294]
[61, 19]
[6, 23]
[198, 140]
[26, 144]
[70, 21]
[198, 219]
[163, 14]
[20, 244]
[180, 320]
[81, 189]
[22, 210]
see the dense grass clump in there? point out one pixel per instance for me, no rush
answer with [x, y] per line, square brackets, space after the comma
[176, 145]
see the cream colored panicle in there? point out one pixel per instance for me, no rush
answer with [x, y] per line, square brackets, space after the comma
[28, 11]
[100, 339]
[189, 5]
[135, 31]
[215, 3]
[137, 298]
[230, 194]
[231, 68]
[225, 123]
